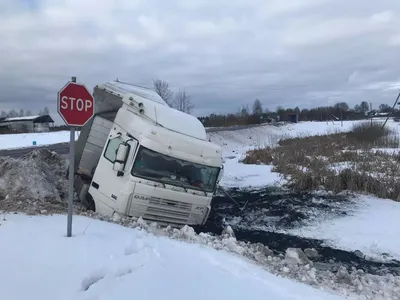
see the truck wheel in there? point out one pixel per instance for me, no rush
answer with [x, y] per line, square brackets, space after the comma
[90, 202]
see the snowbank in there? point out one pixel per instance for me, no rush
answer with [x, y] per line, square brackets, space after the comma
[33, 182]
[107, 261]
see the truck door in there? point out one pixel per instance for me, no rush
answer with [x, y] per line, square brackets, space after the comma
[110, 183]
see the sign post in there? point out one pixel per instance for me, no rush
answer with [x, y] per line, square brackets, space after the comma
[75, 105]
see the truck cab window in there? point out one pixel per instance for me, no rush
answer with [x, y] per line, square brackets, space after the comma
[168, 170]
[111, 150]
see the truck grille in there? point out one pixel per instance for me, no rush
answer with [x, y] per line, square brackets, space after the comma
[163, 210]
[171, 204]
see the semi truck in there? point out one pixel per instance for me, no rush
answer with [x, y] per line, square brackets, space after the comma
[139, 157]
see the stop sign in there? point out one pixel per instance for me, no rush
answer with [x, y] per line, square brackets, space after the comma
[75, 104]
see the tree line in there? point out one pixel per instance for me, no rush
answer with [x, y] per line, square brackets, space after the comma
[182, 100]
[22, 113]
[257, 114]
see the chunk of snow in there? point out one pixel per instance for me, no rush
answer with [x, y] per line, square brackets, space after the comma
[296, 256]
[311, 253]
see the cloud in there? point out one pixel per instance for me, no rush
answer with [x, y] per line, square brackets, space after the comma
[291, 53]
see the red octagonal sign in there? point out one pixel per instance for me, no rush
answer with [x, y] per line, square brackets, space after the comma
[75, 104]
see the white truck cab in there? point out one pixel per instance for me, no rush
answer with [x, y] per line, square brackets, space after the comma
[142, 158]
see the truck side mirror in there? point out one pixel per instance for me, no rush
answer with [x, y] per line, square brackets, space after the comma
[221, 173]
[121, 157]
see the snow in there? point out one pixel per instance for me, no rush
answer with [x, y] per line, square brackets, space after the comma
[235, 140]
[21, 118]
[235, 144]
[341, 166]
[372, 228]
[263, 134]
[21, 140]
[177, 121]
[249, 176]
[108, 261]
[122, 88]
[390, 151]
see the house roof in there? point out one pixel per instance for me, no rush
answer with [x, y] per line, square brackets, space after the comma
[34, 119]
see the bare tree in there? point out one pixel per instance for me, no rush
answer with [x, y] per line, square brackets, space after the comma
[244, 112]
[364, 106]
[183, 102]
[342, 105]
[385, 108]
[45, 111]
[161, 87]
[257, 107]
[28, 113]
[12, 114]
[21, 113]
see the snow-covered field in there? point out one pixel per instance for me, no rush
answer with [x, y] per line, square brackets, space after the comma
[372, 228]
[264, 135]
[236, 143]
[22, 140]
[107, 261]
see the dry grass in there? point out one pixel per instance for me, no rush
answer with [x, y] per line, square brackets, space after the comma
[337, 162]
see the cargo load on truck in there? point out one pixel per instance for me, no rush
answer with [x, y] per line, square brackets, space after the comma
[139, 157]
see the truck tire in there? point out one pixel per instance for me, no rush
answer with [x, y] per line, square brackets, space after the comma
[90, 202]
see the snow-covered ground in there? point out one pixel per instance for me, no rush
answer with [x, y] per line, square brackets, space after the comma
[107, 261]
[373, 229]
[236, 143]
[241, 175]
[263, 134]
[22, 140]
[120, 262]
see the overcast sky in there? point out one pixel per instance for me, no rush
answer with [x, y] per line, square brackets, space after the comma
[302, 53]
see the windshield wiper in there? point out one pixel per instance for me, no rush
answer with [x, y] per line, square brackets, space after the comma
[181, 185]
[152, 179]
[203, 190]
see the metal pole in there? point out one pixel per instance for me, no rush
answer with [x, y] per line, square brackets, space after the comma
[71, 175]
[394, 105]
[71, 178]
[341, 116]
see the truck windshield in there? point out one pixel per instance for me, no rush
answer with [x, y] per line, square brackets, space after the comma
[162, 168]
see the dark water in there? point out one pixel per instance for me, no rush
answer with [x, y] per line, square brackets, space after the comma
[268, 211]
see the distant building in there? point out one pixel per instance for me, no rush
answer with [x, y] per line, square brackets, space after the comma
[27, 124]
[292, 117]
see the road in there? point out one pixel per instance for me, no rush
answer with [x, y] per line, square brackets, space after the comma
[63, 148]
